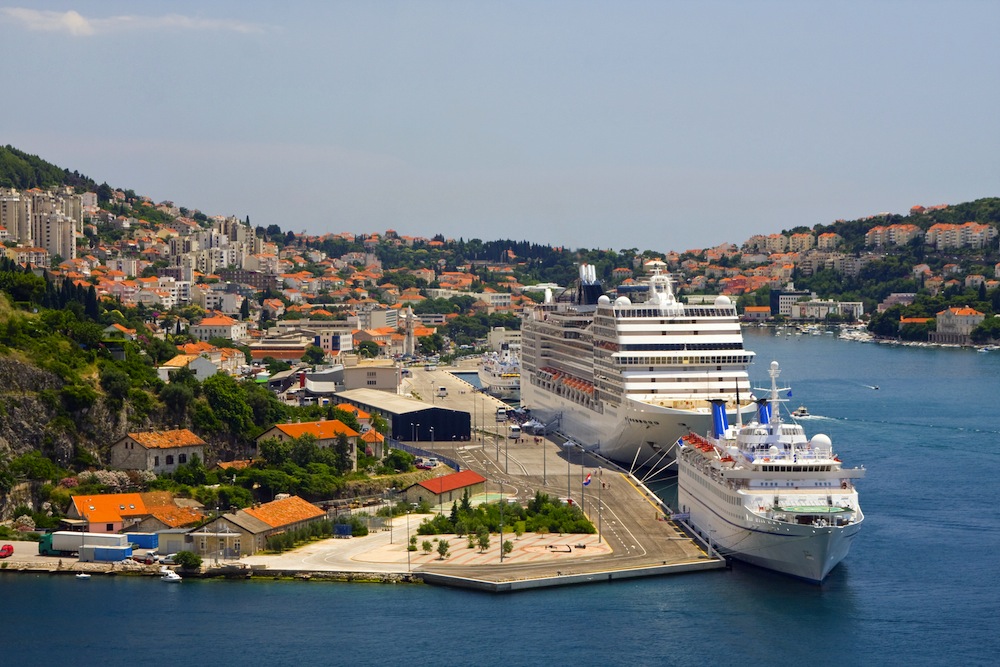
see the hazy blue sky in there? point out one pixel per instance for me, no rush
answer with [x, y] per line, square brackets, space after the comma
[661, 125]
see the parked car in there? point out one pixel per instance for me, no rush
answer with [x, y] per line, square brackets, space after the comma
[168, 559]
[6, 550]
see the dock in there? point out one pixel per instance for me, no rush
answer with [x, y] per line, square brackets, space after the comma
[636, 536]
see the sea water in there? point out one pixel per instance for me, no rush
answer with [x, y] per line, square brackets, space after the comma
[920, 586]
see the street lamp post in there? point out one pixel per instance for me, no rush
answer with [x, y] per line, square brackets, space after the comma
[502, 503]
[407, 540]
[600, 507]
[569, 476]
[432, 437]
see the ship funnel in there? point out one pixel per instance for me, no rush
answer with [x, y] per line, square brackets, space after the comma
[763, 411]
[589, 290]
[719, 423]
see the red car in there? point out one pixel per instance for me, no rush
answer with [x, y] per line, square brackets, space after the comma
[6, 550]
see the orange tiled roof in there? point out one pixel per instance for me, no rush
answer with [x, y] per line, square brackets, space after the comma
[109, 507]
[358, 412]
[323, 430]
[285, 511]
[371, 435]
[458, 480]
[167, 439]
[176, 517]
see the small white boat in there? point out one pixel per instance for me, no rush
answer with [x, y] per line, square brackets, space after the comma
[166, 574]
[800, 411]
[82, 575]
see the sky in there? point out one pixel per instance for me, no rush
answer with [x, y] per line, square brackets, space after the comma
[662, 125]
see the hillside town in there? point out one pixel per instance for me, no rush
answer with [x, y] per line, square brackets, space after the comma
[279, 296]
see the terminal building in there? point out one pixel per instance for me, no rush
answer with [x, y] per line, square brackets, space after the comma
[411, 420]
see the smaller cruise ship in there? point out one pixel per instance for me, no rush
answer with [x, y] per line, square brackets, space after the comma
[766, 494]
[500, 373]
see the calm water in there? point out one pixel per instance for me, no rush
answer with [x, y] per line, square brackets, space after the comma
[919, 588]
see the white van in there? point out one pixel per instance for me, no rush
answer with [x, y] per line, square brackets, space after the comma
[501, 414]
[442, 392]
[515, 431]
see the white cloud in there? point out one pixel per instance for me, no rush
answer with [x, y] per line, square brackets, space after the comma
[73, 23]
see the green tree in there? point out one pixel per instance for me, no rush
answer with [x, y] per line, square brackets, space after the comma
[229, 406]
[274, 452]
[442, 549]
[342, 450]
[368, 349]
[483, 541]
[188, 560]
[507, 547]
[115, 383]
[314, 355]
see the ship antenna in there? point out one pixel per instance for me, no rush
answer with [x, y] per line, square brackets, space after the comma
[774, 372]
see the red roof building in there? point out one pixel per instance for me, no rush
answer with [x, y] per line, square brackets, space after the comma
[446, 489]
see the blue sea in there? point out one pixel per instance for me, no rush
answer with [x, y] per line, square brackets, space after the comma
[920, 587]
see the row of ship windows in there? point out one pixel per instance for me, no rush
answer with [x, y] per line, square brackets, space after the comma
[774, 485]
[693, 314]
[668, 347]
[717, 491]
[683, 361]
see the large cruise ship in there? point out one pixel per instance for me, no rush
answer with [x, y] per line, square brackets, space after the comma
[626, 378]
[765, 494]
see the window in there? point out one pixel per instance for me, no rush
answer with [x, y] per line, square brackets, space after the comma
[182, 458]
[156, 460]
[170, 459]
[110, 527]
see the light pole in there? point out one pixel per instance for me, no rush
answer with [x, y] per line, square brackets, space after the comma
[544, 479]
[600, 507]
[502, 503]
[388, 503]
[432, 437]
[407, 540]
[506, 453]
[569, 476]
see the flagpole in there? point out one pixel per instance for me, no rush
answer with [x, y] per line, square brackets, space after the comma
[600, 475]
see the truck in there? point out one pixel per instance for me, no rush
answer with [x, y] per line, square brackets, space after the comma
[68, 542]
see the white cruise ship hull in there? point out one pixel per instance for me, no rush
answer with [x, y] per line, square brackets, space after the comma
[634, 433]
[803, 551]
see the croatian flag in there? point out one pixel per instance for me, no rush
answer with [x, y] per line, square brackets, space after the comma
[586, 482]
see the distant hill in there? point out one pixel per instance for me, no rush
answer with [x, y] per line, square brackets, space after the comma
[23, 171]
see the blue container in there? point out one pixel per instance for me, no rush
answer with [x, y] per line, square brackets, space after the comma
[144, 540]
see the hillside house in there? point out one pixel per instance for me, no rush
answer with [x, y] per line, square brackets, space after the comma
[156, 451]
